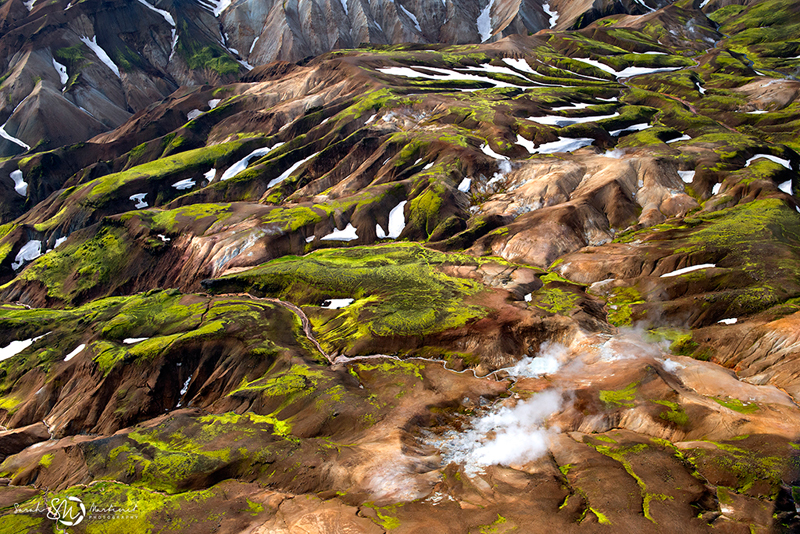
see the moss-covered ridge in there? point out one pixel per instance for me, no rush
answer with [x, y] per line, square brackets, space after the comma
[398, 290]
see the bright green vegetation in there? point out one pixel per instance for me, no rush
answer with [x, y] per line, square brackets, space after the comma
[737, 406]
[556, 300]
[675, 414]
[620, 305]
[74, 270]
[398, 290]
[200, 159]
[621, 397]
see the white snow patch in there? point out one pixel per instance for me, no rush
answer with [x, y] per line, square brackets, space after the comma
[552, 13]
[166, 14]
[530, 146]
[445, 75]
[716, 188]
[397, 221]
[520, 64]
[556, 120]
[629, 71]
[288, 172]
[75, 352]
[29, 252]
[689, 269]
[184, 184]
[253, 46]
[486, 149]
[407, 12]
[8, 137]
[310, 238]
[369, 120]
[348, 234]
[14, 348]
[687, 176]
[336, 304]
[484, 22]
[465, 185]
[632, 128]
[684, 137]
[564, 144]
[20, 186]
[241, 165]
[528, 297]
[60, 241]
[733, 320]
[192, 115]
[757, 112]
[62, 71]
[213, 103]
[786, 187]
[780, 161]
[139, 199]
[210, 174]
[101, 54]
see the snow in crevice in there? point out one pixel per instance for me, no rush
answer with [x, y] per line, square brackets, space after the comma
[786, 187]
[348, 234]
[210, 175]
[689, 270]
[484, 22]
[29, 4]
[288, 172]
[101, 54]
[8, 137]
[732, 320]
[62, 72]
[133, 340]
[29, 252]
[166, 14]
[465, 185]
[75, 352]
[407, 12]
[20, 186]
[716, 188]
[397, 223]
[213, 103]
[687, 176]
[192, 115]
[242, 164]
[139, 199]
[253, 45]
[684, 137]
[552, 13]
